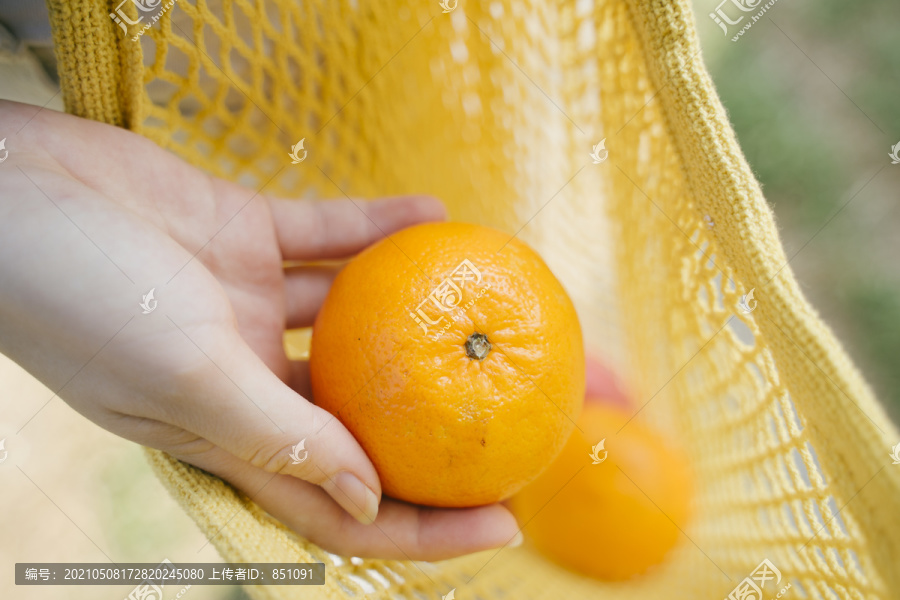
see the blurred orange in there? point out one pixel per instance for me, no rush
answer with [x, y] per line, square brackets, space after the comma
[614, 519]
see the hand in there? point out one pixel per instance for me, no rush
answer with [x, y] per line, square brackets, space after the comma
[92, 217]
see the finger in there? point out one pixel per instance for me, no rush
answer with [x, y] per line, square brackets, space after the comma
[401, 531]
[234, 401]
[305, 289]
[405, 531]
[318, 230]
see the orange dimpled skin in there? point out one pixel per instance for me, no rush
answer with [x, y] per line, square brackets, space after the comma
[455, 358]
[615, 519]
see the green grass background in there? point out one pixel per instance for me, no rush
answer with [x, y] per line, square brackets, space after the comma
[813, 92]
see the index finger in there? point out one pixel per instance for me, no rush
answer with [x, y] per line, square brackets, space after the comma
[332, 229]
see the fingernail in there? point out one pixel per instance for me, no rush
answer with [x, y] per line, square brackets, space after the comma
[354, 496]
[517, 541]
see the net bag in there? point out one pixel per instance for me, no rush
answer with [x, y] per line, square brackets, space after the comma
[659, 237]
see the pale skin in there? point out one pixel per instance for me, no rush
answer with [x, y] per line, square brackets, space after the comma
[92, 217]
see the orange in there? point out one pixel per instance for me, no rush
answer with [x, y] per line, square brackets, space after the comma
[454, 356]
[615, 519]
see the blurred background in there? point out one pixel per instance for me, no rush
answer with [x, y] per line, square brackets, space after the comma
[813, 92]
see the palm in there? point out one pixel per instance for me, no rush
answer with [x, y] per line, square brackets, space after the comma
[247, 262]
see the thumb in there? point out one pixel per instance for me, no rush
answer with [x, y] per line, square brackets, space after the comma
[239, 404]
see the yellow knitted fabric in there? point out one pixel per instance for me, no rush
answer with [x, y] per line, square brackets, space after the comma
[494, 107]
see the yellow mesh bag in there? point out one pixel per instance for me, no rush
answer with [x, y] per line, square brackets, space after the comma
[494, 107]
